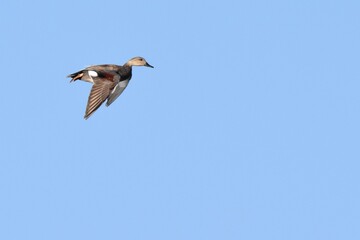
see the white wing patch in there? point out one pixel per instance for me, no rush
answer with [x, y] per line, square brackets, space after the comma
[92, 73]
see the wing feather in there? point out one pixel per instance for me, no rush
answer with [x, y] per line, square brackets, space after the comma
[100, 91]
[120, 87]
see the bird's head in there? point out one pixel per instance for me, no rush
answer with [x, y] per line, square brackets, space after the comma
[138, 61]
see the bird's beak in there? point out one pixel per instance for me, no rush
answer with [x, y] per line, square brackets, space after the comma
[148, 65]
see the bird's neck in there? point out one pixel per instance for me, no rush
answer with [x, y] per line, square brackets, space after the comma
[126, 71]
[127, 64]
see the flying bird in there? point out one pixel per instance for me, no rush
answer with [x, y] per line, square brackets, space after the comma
[108, 80]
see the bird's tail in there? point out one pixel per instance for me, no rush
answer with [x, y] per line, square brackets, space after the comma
[76, 76]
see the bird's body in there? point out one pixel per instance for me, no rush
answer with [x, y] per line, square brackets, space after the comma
[108, 80]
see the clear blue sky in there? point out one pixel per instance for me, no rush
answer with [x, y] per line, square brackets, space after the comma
[247, 128]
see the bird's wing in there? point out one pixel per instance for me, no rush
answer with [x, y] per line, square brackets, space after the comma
[104, 67]
[120, 87]
[104, 84]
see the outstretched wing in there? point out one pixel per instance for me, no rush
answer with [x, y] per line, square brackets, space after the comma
[104, 84]
[120, 87]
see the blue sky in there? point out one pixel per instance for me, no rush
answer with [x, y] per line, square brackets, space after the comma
[247, 127]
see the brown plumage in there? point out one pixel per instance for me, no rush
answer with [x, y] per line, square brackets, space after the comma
[108, 80]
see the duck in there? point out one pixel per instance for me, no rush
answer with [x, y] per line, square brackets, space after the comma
[108, 80]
